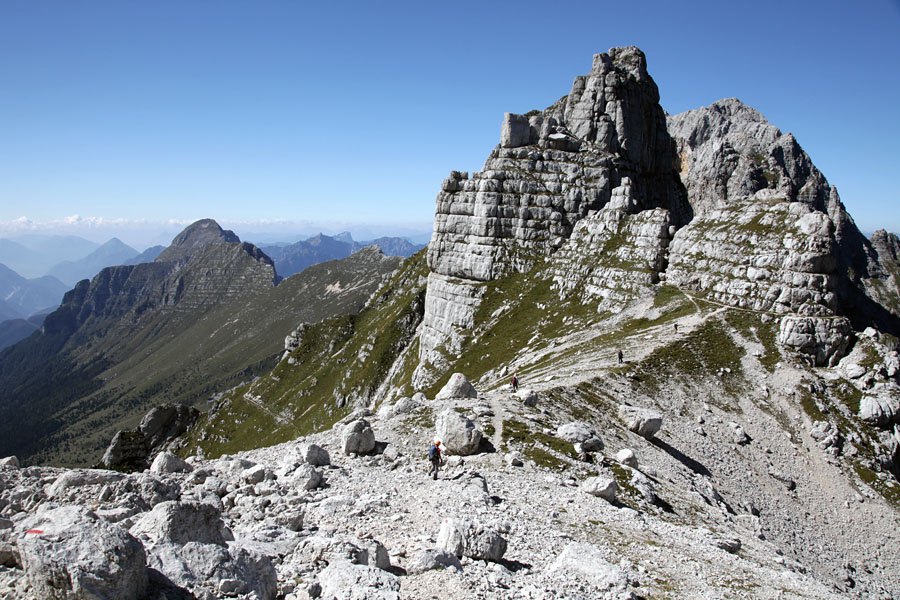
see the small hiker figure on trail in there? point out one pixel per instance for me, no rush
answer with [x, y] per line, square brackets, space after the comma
[434, 455]
[514, 384]
[676, 327]
[620, 356]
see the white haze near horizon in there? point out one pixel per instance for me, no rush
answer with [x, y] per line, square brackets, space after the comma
[142, 234]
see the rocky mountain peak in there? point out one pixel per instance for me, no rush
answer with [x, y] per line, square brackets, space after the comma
[196, 236]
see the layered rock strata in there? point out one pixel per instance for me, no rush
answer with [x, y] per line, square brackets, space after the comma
[764, 253]
[613, 256]
[550, 170]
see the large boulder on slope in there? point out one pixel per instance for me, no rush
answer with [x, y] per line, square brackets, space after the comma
[167, 463]
[642, 421]
[432, 558]
[881, 407]
[578, 432]
[586, 563]
[213, 571]
[314, 455]
[602, 487]
[457, 387]
[343, 580]
[357, 437]
[180, 523]
[464, 538]
[70, 553]
[457, 433]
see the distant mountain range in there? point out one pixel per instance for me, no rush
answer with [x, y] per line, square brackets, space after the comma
[208, 313]
[35, 255]
[21, 297]
[293, 258]
[113, 252]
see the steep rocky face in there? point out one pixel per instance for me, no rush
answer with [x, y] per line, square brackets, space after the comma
[551, 170]
[732, 160]
[716, 200]
[197, 236]
[763, 252]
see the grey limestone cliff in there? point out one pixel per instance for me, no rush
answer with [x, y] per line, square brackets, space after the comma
[603, 145]
[617, 198]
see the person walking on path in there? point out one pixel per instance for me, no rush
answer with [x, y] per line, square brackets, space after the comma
[620, 356]
[434, 455]
[514, 384]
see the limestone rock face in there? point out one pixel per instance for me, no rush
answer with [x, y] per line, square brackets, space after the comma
[728, 154]
[728, 151]
[614, 255]
[824, 339]
[549, 171]
[166, 422]
[132, 448]
[763, 253]
[70, 553]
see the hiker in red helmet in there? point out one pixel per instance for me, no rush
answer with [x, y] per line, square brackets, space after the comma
[434, 455]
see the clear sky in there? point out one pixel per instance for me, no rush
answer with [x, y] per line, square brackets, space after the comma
[355, 111]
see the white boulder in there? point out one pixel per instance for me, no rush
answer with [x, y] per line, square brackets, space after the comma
[602, 487]
[584, 562]
[463, 538]
[881, 408]
[457, 433]
[314, 455]
[642, 421]
[626, 457]
[214, 571]
[358, 437]
[69, 552]
[457, 387]
[180, 523]
[166, 463]
[343, 580]
[430, 559]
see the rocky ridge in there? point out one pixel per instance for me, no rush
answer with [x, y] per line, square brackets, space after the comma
[618, 198]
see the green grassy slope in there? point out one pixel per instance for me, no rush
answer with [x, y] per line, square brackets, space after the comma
[340, 362]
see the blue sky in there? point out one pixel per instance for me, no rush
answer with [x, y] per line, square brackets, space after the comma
[350, 112]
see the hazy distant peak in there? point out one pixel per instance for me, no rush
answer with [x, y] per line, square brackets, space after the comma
[195, 236]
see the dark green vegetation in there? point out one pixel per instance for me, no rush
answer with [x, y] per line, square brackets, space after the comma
[179, 331]
[544, 450]
[339, 361]
[707, 352]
